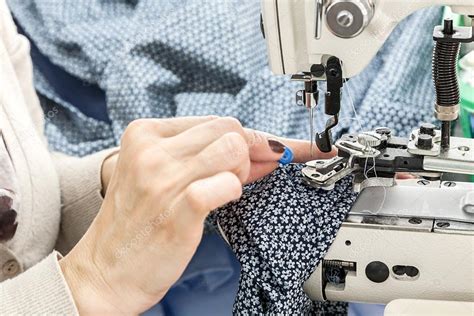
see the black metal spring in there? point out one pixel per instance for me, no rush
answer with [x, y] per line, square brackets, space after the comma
[350, 266]
[445, 77]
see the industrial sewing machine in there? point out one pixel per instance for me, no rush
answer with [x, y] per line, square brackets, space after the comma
[411, 239]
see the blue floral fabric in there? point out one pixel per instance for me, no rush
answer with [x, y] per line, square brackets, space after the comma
[280, 230]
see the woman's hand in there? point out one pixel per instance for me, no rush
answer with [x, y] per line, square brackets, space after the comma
[168, 176]
[263, 162]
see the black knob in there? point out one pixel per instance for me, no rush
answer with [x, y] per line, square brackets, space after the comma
[425, 142]
[377, 272]
[318, 70]
[427, 129]
[448, 27]
[412, 271]
[399, 270]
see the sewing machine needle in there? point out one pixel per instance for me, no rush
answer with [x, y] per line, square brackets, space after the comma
[311, 127]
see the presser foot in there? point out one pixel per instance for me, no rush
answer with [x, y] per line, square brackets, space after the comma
[375, 157]
[323, 174]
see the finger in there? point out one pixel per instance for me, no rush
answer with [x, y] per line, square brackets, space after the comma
[173, 126]
[194, 140]
[259, 170]
[405, 176]
[203, 196]
[304, 152]
[176, 126]
[265, 147]
[228, 153]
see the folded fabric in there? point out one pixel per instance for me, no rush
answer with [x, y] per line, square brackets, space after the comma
[280, 230]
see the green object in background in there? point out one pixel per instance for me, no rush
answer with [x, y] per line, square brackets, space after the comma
[467, 103]
[467, 96]
[466, 84]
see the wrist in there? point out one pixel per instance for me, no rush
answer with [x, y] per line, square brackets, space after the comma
[89, 296]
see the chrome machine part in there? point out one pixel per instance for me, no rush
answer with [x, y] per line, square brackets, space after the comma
[348, 18]
[447, 113]
[370, 140]
[467, 203]
[362, 182]
[425, 141]
[459, 158]
[362, 145]
[375, 157]
[323, 174]
[319, 19]
[310, 95]
[418, 201]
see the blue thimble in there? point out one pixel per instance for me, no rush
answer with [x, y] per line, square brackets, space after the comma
[287, 158]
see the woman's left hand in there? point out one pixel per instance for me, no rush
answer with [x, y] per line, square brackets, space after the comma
[265, 150]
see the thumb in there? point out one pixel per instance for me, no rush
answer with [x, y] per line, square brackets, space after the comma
[204, 195]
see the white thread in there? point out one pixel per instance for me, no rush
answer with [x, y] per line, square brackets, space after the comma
[366, 176]
[366, 170]
[356, 116]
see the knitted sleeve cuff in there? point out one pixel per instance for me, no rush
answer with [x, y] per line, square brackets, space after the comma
[81, 198]
[41, 290]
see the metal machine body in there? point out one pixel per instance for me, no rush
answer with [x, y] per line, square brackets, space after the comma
[299, 35]
[402, 238]
[415, 254]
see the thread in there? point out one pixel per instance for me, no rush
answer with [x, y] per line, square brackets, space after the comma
[311, 128]
[366, 176]
[351, 101]
[366, 169]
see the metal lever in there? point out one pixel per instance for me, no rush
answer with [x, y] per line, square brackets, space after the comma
[333, 103]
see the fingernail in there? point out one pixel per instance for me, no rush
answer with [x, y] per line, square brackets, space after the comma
[276, 146]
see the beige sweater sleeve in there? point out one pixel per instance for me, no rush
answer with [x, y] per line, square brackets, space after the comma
[80, 178]
[42, 289]
[81, 197]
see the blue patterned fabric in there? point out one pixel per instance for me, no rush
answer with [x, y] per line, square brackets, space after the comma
[280, 230]
[174, 58]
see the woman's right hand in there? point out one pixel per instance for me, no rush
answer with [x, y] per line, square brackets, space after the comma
[169, 175]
